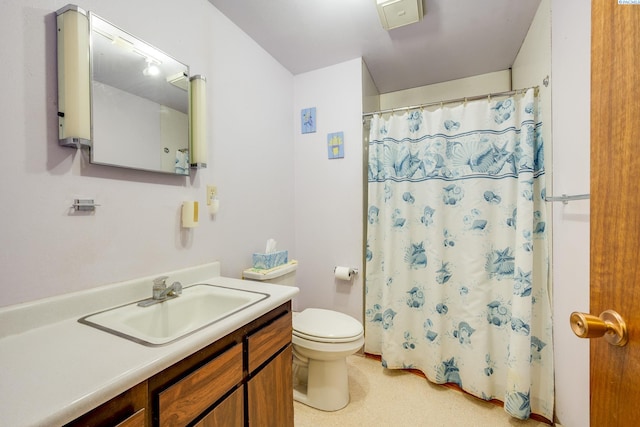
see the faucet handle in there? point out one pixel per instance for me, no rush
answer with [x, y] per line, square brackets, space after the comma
[177, 288]
[159, 285]
[160, 281]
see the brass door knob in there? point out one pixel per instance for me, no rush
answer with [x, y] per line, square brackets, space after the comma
[609, 325]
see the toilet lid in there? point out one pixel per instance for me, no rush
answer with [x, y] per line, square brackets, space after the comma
[317, 324]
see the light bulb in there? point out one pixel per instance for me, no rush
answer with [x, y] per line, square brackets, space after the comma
[151, 69]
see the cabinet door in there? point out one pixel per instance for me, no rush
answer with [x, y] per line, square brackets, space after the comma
[185, 400]
[270, 393]
[135, 420]
[229, 413]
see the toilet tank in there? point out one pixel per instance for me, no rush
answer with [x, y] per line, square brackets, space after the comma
[281, 275]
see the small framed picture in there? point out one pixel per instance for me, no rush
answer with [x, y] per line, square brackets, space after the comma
[308, 117]
[335, 145]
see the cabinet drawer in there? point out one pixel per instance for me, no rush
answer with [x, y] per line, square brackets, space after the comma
[185, 400]
[267, 341]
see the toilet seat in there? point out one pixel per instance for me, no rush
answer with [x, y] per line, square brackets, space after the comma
[326, 326]
[325, 340]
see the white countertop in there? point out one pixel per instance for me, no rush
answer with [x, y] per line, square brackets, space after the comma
[54, 369]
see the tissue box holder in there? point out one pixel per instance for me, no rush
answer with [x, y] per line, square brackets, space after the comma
[266, 261]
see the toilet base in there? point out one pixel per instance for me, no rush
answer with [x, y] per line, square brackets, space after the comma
[326, 386]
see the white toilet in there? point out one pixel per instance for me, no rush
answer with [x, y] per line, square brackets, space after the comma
[322, 340]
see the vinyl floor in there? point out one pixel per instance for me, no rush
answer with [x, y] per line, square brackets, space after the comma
[383, 397]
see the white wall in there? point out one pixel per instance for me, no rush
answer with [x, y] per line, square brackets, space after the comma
[571, 62]
[328, 193]
[498, 81]
[370, 93]
[531, 68]
[135, 232]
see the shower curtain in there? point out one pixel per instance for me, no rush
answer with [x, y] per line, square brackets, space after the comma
[457, 251]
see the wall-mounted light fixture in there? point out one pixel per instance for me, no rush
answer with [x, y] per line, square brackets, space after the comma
[74, 83]
[198, 122]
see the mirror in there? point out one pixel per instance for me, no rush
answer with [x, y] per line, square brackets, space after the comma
[139, 103]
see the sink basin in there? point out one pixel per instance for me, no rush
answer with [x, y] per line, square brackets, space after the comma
[198, 307]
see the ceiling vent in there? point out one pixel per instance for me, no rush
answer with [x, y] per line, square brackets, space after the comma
[398, 13]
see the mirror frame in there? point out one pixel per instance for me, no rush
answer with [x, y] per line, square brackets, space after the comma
[76, 97]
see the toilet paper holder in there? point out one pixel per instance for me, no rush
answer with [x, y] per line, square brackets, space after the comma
[352, 270]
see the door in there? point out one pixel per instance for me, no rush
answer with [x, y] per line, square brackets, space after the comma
[615, 208]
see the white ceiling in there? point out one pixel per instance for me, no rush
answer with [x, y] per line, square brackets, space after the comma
[456, 38]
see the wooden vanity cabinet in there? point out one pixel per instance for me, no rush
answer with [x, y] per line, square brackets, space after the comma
[125, 410]
[243, 379]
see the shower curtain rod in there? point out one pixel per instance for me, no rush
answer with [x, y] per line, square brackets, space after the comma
[451, 101]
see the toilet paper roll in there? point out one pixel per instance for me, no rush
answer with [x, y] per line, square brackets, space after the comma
[342, 273]
[189, 214]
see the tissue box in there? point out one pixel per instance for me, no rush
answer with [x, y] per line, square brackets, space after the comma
[266, 261]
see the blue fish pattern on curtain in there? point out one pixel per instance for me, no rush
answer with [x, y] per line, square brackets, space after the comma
[457, 250]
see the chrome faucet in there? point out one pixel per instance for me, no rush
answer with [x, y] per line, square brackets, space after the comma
[172, 291]
[161, 292]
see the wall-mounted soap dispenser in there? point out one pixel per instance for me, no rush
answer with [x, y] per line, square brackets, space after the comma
[189, 214]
